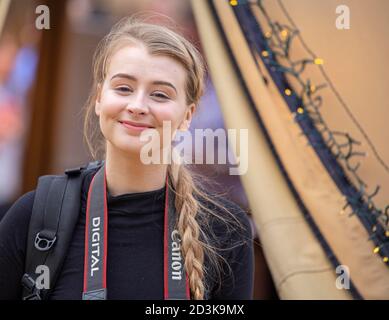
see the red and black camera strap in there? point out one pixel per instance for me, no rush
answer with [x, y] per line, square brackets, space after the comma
[176, 285]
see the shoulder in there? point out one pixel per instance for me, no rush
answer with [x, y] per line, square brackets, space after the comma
[229, 223]
[20, 211]
[14, 230]
[13, 240]
[25, 201]
[219, 204]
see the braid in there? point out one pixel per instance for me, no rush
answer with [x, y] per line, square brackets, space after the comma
[189, 229]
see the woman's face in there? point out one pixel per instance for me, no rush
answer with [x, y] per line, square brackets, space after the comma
[141, 90]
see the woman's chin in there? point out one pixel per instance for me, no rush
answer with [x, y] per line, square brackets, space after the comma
[131, 146]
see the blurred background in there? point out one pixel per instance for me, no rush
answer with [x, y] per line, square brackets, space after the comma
[45, 78]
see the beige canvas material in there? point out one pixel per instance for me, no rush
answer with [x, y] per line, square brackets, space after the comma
[346, 235]
[298, 264]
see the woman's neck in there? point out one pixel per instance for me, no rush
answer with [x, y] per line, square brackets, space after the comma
[127, 174]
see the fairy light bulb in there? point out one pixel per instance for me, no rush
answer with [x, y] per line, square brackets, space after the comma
[284, 34]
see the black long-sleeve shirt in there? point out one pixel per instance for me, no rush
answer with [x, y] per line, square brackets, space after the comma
[135, 250]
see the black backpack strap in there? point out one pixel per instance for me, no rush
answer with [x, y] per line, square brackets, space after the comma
[54, 216]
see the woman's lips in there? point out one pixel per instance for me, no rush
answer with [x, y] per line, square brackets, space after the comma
[132, 127]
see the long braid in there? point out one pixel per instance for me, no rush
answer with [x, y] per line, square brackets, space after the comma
[189, 229]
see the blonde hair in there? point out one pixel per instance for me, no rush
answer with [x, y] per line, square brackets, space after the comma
[193, 214]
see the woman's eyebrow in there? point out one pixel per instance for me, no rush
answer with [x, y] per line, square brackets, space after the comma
[130, 77]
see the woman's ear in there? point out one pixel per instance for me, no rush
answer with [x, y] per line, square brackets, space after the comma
[97, 102]
[185, 124]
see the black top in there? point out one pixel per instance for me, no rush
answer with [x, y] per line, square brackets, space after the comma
[135, 250]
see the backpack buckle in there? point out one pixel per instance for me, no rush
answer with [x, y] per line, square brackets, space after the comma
[73, 171]
[29, 283]
[91, 165]
[43, 241]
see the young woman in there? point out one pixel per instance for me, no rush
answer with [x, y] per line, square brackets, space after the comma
[145, 76]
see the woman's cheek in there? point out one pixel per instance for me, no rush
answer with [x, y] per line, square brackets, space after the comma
[166, 113]
[171, 114]
[112, 104]
[108, 116]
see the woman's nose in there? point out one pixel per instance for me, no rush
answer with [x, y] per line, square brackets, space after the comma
[138, 105]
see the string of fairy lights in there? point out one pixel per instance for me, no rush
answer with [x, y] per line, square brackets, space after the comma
[337, 150]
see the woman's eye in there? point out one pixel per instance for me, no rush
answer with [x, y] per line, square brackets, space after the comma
[160, 95]
[123, 89]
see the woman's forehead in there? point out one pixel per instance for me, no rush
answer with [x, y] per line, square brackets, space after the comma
[137, 62]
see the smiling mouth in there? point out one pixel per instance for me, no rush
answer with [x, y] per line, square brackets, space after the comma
[135, 126]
